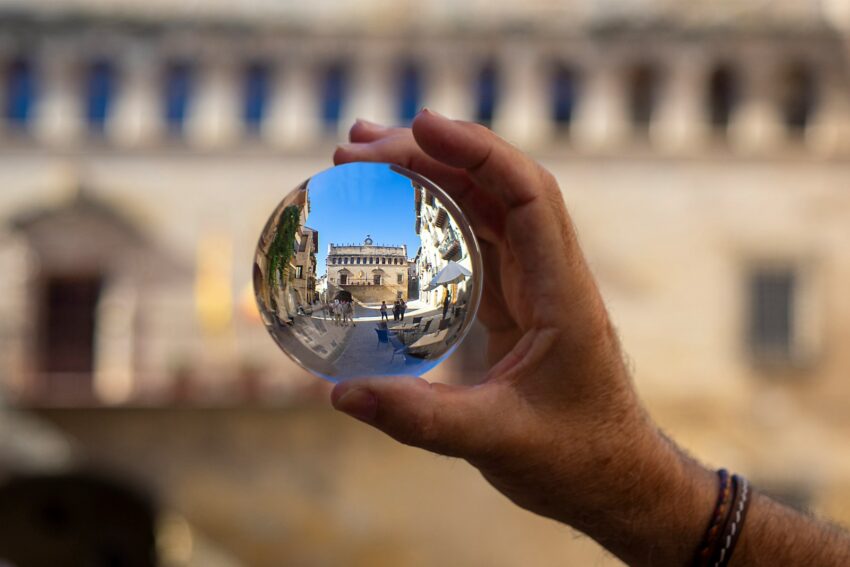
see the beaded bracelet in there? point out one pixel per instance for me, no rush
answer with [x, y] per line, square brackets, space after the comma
[735, 522]
[712, 534]
[728, 517]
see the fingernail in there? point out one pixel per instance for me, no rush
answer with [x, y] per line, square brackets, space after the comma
[359, 403]
[346, 147]
[427, 110]
[370, 124]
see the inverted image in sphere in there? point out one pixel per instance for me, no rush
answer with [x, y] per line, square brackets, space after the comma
[367, 269]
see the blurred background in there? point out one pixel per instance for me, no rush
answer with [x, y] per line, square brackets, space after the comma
[147, 418]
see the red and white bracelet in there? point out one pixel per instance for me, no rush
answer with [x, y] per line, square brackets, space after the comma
[727, 522]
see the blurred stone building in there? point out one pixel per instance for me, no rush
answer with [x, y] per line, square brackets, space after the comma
[305, 264]
[702, 148]
[442, 242]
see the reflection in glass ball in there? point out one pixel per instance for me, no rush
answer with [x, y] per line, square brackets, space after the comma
[367, 269]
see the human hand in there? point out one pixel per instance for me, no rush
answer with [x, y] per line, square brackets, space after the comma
[556, 424]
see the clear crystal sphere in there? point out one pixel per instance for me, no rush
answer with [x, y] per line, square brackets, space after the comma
[367, 269]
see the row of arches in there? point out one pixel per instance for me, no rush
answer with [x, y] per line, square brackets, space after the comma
[794, 93]
[100, 82]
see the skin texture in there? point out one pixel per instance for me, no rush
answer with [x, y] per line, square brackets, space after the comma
[556, 425]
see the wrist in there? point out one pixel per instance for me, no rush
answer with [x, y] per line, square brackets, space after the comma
[654, 505]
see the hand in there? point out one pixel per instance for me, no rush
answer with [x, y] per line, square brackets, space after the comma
[556, 424]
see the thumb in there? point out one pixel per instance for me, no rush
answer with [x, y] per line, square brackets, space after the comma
[451, 420]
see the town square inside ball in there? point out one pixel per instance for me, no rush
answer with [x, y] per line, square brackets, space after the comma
[367, 269]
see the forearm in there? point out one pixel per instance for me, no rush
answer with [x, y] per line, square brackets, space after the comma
[777, 535]
[656, 508]
[665, 522]
[666, 527]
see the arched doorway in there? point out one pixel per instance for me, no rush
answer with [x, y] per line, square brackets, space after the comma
[344, 277]
[93, 270]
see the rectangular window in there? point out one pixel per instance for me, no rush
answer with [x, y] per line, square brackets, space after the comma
[400, 278]
[256, 95]
[564, 94]
[20, 93]
[798, 93]
[177, 95]
[772, 298]
[299, 272]
[333, 95]
[487, 95]
[644, 92]
[723, 94]
[100, 87]
[410, 93]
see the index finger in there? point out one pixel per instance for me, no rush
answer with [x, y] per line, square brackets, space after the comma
[488, 159]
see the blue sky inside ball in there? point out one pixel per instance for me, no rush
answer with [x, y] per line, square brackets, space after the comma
[352, 200]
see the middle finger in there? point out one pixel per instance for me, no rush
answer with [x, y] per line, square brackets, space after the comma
[364, 131]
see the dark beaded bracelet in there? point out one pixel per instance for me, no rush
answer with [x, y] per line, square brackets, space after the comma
[727, 521]
[708, 547]
[735, 522]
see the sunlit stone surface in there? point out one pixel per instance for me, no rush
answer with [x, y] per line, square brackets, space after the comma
[367, 270]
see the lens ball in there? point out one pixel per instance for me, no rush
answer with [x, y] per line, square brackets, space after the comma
[367, 269]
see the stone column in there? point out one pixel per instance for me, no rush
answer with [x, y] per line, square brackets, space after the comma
[59, 106]
[522, 115]
[138, 116]
[682, 124]
[293, 118]
[756, 126]
[451, 79]
[113, 376]
[601, 116]
[17, 309]
[215, 119]
[373, 81]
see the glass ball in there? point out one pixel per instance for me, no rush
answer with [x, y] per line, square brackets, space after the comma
[367, 269]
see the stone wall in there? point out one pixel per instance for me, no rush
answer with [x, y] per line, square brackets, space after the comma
[371, 293]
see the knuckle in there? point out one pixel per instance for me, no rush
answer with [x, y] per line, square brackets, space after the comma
[425, 428]
[549, 185]
[480, 130]
[548, 180]
[352, 132]
[421, 431]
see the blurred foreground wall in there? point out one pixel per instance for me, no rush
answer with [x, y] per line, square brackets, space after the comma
[309, 488]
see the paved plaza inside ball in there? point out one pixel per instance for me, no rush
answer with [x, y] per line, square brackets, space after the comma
[367, 269]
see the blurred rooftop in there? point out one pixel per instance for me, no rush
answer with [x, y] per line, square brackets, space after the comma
[474, 15]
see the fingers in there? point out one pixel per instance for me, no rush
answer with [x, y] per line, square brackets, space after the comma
[364, 131]
[485, 211]
[442, 147]
[510, 199]
[489, 159]
[450, 420]
[537, 229]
